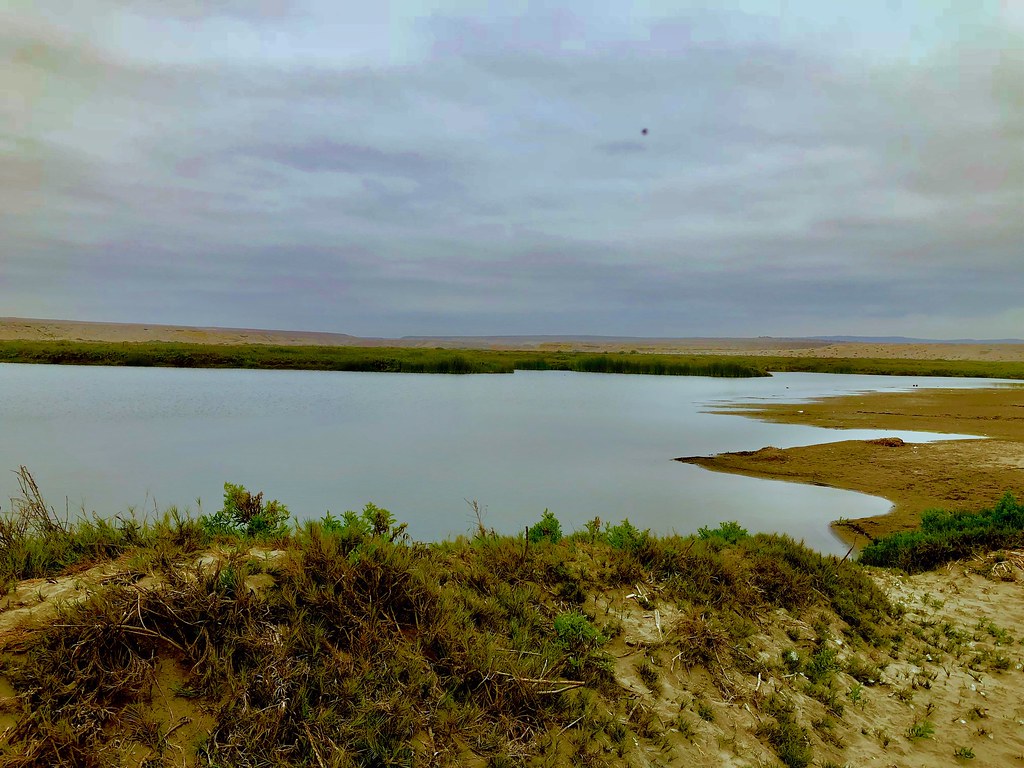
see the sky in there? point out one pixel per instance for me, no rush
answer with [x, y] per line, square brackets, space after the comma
[480, 167]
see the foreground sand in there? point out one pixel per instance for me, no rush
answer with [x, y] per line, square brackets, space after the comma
[953, 474]
[953, 685]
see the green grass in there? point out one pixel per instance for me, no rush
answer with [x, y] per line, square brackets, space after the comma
[421, 360]
[945, 536]
[379, 359]
[896, 367]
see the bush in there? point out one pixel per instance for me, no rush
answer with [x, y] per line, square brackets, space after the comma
[547, 529]
[355, 528]
[944, 536]
[245, 515]
[627, 537]
[730, 532]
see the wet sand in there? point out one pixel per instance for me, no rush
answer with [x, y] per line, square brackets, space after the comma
[948, 474]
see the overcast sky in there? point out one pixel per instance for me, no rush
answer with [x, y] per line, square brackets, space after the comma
[468, 167]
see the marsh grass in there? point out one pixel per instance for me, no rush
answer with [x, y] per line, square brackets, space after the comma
[368, 359]
[463, 361]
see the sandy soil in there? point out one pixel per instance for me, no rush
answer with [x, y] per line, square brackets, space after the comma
[955, 474]
[69, 330]
[957, 676]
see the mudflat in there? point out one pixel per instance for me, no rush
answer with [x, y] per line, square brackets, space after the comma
[947, 474]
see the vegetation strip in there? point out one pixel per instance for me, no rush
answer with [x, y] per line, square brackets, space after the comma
[418, 360]
[381, 359]
[944, 536]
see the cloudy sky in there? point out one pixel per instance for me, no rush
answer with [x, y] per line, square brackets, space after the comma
[479, 166]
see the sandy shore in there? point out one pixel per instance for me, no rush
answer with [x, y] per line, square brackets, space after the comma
[949, 474]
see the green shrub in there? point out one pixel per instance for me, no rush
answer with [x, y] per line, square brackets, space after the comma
[729, 532]
[246, 515]
[581, 641]
[944, 536]
[546, 529]
[627, 537]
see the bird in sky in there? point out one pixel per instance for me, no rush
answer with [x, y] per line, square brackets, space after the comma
[644, 132]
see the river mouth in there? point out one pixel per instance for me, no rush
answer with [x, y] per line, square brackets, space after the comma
[582, 445]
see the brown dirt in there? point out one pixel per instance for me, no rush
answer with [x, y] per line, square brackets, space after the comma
[954, 474]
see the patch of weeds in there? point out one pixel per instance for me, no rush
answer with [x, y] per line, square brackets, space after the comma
[581, 641]
[729, 532]
[906, 695]
[1000, 662]
[704, 710]
[825, 728]
[856, 693]
[825, 694]
[822, 665]
[999, 635]
[649, 674]
[627, 537]
[790, 741]
[685, 727]
[963, 753]
[700, 638]
[791, 660]
[245, 515]
[920, 729]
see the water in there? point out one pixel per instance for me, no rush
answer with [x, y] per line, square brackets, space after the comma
[583, 445]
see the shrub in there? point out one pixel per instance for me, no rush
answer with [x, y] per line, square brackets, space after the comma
[944, 536]
[246, 515]
[730, 532]
[546, 529]
[627, 537]
[581, 641]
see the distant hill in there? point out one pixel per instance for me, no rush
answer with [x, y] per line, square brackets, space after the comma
[910, 340]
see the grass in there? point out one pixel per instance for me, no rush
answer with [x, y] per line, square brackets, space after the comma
[377, 359]
[422, 360]
[896, 367]
[35, 541]
[370, 649]
[944, 536]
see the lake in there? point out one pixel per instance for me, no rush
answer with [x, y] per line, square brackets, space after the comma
[423, 446]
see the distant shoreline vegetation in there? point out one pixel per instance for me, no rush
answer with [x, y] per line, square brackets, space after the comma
[379, 359]
[466, 361]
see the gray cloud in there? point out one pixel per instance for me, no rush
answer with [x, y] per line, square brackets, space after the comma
[621, 147]
[499, 184]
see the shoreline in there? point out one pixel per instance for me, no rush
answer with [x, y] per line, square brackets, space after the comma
[951, 474]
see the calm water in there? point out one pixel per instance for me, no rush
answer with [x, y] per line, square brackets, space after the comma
[583, 445]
